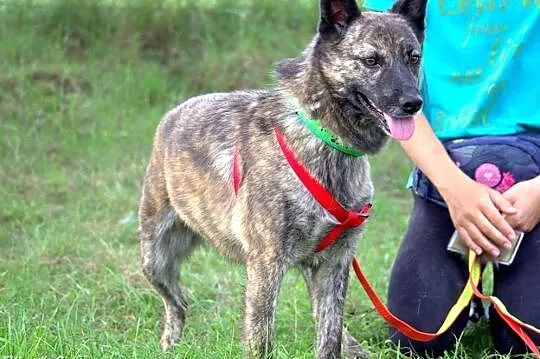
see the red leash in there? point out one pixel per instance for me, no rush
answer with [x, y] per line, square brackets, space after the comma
[349, 219]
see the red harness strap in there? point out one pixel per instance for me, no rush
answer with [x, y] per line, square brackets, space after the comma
[237, 170]
[345, 218]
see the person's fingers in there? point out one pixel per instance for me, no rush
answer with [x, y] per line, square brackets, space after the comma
[494, 225]
[469, 242]
[492, 233]
[478, 237]
[502, 203]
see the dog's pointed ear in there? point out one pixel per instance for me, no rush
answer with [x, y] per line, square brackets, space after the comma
[336, 16]
[415, 13]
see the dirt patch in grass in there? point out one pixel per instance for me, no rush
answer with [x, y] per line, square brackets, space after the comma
[61, 81]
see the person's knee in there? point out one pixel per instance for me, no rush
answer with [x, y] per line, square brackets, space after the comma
[431, 349]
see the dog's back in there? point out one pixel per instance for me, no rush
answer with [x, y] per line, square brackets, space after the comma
[191, 167]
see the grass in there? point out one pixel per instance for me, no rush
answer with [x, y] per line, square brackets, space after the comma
[82, 88]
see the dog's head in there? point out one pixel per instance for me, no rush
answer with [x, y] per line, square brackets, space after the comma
[370, 61]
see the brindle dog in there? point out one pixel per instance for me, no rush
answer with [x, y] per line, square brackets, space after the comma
[358, 76]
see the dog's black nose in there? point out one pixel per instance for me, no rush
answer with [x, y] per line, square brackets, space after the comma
[411, 105]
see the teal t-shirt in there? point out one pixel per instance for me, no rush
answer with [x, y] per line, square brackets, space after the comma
[481, 66]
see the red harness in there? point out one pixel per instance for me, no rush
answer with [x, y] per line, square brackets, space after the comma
[350, 219]
[346, 219]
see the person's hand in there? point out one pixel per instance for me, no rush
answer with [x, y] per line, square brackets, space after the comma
[477, 212]
[525, 197]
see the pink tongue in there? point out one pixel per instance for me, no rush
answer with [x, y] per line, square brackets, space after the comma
[400, 128]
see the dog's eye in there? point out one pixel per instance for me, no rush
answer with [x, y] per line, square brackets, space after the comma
[370, 61]
[414, 58]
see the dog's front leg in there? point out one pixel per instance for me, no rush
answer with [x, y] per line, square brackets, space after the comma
[264, 274]
[327, 286]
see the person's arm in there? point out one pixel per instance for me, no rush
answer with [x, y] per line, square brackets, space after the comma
[475, 209]
[525, 197]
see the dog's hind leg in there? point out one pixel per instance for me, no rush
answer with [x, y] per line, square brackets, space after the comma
[164, 240]
[327, 286]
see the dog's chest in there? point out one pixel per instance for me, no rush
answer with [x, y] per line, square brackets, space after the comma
[310, 222]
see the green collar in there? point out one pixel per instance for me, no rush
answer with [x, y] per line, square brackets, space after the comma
[327, 136]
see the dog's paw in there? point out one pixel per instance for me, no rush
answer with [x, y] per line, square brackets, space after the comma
[355, 352]
[351, 348]
[169, 339]
[166, 343]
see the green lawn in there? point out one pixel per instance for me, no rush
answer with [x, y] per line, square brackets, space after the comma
[82, 88]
